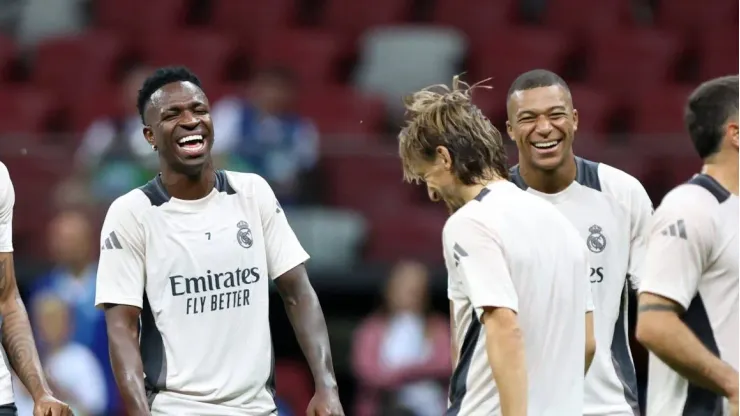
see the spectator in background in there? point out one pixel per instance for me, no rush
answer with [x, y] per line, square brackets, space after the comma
[73, 371]
[401, 354]
[264, 136]
[73, 280]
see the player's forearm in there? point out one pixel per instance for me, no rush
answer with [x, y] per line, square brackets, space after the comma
[505, 349]
[125, 358]
[21, 349]
[305, 314]
[666, 336]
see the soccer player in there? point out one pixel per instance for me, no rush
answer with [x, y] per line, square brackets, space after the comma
[518, 275]
[190, 256]
[688, 301]
[17, 337]
[609, 208]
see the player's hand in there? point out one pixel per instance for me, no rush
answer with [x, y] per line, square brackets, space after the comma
[733, 405]
[325, 402]
[47, 405]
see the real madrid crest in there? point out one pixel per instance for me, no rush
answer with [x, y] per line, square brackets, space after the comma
[244, 234]
[596, 242]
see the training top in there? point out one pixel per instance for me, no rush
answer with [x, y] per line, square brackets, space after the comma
[509, 249]
[7, 201]
[199, 271]
[611, 211]
[692, 259]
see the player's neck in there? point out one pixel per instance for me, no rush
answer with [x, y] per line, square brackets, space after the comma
[470, 192]
[724, 169]
[189, 187]
[549, 182]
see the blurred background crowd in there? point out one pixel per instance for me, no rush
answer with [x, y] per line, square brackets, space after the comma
[307, 94]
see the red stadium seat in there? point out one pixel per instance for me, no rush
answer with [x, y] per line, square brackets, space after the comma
[594, 109]
[342, 111]
[693, 15]
[592, 16]
[8, 55]
[25, 109]
[206, 53]
[660, 110]
[492, 102]
[718, 51]
[312, 55]
[474, 16]
[249, 20]
[103, 102]
[351, 18]
[413, 232]
[68, 65]
[624, 61]
[141, 18]
[503, 54]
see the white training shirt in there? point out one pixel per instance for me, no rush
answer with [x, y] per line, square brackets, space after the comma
[7, 201]
[692, 259]
[510, 249]
[611, 211]
[199, 271]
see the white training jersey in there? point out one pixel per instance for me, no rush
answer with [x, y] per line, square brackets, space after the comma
[7, 201]
[199, 271]
[692, 259]
[510, 249]
[611, 211]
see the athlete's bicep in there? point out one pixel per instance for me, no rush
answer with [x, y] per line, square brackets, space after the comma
[676, 253]
[480, 261]
[284, 251]
[121, 276]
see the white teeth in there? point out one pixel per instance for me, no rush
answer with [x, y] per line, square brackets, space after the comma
[188, 139]
[545, 145]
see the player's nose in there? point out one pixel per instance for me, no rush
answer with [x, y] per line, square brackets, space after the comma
[543, 127]
[189, 120]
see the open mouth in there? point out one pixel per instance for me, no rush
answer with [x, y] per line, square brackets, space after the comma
[549, 145]
[192, 145]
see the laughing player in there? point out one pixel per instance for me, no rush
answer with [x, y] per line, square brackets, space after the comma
[518, 276]
[609, 208]
[190, 256]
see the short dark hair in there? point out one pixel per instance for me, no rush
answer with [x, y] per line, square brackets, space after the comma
[160, 78]
[536, 78]
[708, 108]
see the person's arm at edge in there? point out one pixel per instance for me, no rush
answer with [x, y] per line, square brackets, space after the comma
[17, 337]
[590, 340]
[660, 329]
[123, 342]
[505, 350]
[305, 314]
[453, 344]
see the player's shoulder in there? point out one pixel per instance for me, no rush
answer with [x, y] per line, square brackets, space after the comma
[616, 181]
[4, 175]
[247, 184]
[701, 193]
[130, 205]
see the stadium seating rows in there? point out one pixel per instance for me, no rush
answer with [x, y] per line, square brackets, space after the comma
[631, 69]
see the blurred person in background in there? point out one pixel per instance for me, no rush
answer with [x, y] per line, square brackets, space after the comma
[265, 136]
[401, 353]
[73, 371]
[688, 302]
[609, 208]
[72, 279]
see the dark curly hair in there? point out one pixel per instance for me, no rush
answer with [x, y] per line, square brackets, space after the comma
[160, 78]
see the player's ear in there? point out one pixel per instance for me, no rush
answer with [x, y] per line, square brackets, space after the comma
[510, 130]
[443, 155]
[575, 120]
[733, 131]
[149, 135]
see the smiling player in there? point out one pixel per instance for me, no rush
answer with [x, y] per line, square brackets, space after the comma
[190, 255]
[609, 208]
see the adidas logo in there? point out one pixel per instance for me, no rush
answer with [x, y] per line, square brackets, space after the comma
[675, 230]
[458, 252]
[111, 242]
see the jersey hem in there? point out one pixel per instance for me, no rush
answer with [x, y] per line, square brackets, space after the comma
[281, 271]
[120, 301]
[666, 295]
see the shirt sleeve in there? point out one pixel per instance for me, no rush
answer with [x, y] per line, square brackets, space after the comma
[121, 277]
[479, 258]
[677, 250]
[641, 210]
[283, 249]
[7, 201]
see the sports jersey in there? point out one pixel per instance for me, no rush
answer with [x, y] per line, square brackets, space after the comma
[199, 271]
[7, 201]
[507, 248]
[692, 259]
[611, 211]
